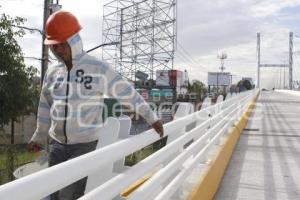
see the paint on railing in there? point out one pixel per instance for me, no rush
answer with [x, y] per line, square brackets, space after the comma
[96, 161]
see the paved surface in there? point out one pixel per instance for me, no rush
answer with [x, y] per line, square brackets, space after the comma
[266, 162]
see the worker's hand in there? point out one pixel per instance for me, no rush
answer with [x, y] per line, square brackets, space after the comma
[158, 127]
[34, 147]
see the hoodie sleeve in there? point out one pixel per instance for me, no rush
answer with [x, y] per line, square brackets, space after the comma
[122, 90]
[43, 116]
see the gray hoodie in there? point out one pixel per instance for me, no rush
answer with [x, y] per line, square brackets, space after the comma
[71, 102]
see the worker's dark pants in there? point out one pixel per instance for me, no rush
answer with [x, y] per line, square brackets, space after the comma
[62, 152]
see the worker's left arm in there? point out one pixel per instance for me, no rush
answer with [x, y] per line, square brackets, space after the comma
[127, 95]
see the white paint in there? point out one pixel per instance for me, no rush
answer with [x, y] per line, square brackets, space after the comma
[206, 133]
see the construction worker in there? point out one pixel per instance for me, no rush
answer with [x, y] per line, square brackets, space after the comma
[71, 100]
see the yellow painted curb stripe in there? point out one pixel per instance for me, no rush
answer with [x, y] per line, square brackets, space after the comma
[134, 186]
[213, 175]
[234, 134]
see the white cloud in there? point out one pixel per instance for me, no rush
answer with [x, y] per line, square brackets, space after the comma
[205, 28]
[271, 7]
[208, 28]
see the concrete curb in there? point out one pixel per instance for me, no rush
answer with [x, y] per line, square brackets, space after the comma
[212, 176]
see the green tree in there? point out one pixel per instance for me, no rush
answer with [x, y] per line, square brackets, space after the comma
[244, 85]
[18, 92]
[198, 88]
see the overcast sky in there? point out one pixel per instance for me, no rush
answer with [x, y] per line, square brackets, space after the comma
[205, 29]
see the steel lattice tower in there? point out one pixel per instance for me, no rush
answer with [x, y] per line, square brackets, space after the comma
[146, 35]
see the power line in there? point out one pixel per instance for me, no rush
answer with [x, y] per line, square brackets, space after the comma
[29, 29]
[185, 59]
[40, 59]
[101, 45]
[32, 58]
[191, 57]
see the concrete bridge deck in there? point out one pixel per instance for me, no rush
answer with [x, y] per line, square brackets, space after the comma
[266, 162]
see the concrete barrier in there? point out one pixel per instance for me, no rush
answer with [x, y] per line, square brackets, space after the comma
[211, 178]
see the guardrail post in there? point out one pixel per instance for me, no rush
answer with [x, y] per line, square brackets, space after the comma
[201, 118]
[183, 110]
[107, 136]
[125, 125]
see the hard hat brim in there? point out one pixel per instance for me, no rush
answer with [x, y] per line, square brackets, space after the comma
[51, 42]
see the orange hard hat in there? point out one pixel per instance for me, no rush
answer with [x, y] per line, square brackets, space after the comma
[60, 26]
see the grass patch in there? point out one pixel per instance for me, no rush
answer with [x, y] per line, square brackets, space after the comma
[137, 156]
[11, 157]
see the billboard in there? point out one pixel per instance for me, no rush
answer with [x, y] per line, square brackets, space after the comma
[219, 78]
[162, 78]
[141, 75]
[173, 78]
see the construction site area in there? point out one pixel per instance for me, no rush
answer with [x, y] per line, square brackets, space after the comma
[222, 97]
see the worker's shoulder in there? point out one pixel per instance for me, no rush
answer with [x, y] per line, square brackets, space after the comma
[53, 69]
[95, 62]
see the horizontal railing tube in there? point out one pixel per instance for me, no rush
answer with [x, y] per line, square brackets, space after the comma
[45, 182]
[171, 188]
[117, 184]
[160, 177]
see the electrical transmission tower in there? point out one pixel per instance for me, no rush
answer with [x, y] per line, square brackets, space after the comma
[145, 32]
[290, 65]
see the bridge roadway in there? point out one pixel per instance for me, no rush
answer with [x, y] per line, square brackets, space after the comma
[266, 162]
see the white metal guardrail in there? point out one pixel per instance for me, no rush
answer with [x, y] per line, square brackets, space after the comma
[293, 92]
[186, 148]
